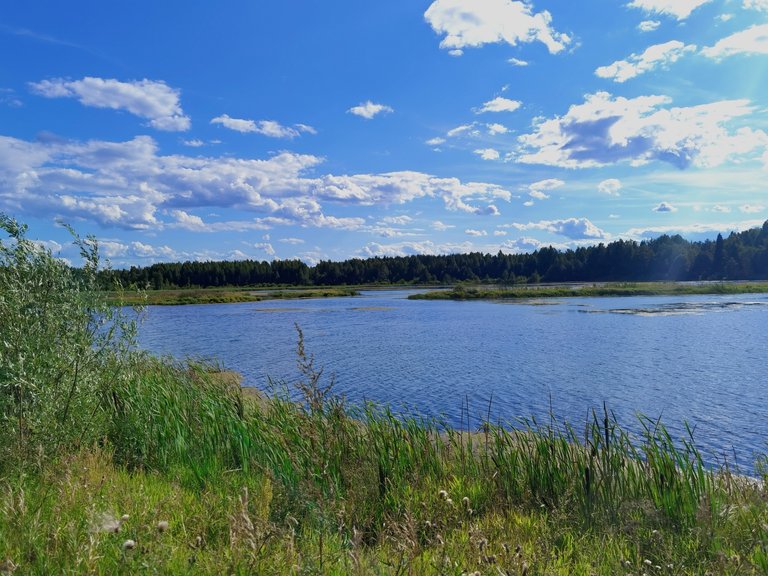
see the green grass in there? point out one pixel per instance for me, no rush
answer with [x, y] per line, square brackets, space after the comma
[609, 289]
[183, 296]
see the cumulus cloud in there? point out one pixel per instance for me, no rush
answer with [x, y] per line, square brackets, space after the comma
[269, 128]
[195, 143]
[499, 104]
[437, 141]
[537, 189]
[130, 185]
[665, 207]
[611, 186]
[648, 25]
[477, 233]
[679, 9]
[606, 130]
[517, 62]
[369, 110]
[414, 248]
[658, 55]
[573, 228]
[472, 24]
[494, 129]
[524, 244]
[149, 99]
[753, 40]
[488, 153]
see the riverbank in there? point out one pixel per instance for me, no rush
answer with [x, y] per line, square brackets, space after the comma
[228, 481]
[180, 297]
[593, 290]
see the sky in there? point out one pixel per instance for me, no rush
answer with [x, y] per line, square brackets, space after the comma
[280, 129]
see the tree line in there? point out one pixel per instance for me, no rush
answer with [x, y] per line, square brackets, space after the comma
[740, 256]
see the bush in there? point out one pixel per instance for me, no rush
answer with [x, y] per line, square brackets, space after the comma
[60, 347]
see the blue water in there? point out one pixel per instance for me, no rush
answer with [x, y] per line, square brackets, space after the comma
[700, 359]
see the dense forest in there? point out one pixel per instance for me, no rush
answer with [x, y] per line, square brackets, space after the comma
[740, 256]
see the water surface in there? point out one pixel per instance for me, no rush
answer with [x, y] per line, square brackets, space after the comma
[700, 359]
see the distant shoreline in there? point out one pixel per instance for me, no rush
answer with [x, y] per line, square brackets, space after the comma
[594, 290]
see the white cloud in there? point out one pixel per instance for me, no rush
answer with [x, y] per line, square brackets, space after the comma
[488, 153]
[648, 25]
[149, 99]
[753, 40]
[611, 186]
[456, 53]
[680, 9]
[265, 247]
[658, 55]
[369, 110]
[720, 208]
[499, 104]
[269, 128]
[500, 232]
[752, 208]
[437, 141]
[573, 228]
[441, 226]
[536, 190]
[193, 143]
[606, 130]
[494, 129]
[291, 241]
[477, 233]
[691, 229]
[725, 17]
[665, 207]
[130, 185]
[471, 24]
[517, 62]
[757, 4]
[397, 220]
[463, 129]
[524, 244]
[414, 248]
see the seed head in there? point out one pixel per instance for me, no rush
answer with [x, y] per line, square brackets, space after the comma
[465, 501]
[124, 518]
[129, 545]
[443, 494]
[162, 526]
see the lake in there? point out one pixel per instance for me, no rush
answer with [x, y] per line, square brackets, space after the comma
[700, 359]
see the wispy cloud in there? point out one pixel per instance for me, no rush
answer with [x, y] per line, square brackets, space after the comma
[269, 128]
[658, 55]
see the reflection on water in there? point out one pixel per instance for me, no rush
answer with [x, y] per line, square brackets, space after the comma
[699, 358]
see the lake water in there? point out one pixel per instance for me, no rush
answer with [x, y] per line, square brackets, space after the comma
[700, 359]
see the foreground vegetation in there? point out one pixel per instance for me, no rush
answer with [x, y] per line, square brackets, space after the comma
[462, 292]
[113, 462]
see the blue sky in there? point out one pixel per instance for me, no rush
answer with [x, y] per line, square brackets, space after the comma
[328, 130]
